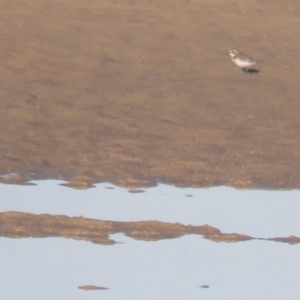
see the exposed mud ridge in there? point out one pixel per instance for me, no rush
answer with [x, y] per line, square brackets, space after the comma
[140, 92]
[22, 225]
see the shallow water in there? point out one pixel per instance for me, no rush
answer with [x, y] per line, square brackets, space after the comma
[252, 212]
[169, 268]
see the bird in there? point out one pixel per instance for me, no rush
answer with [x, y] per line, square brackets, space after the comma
[244, 61]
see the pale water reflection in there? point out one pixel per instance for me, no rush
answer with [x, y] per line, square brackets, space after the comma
[258, 213]
[169, 269]
[54, 268]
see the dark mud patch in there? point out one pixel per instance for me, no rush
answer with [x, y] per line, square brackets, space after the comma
[205, 286]
[92, 288]
[136, 191]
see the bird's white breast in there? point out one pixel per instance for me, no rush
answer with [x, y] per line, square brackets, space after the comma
[243, 63]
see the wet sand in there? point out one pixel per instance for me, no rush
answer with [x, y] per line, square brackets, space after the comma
[136, 92]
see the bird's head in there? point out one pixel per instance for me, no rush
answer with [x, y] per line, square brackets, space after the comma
[232, 53]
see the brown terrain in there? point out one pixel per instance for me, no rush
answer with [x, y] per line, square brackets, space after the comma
[140, 92]
[23, 225]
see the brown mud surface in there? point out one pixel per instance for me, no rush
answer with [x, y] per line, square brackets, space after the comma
[23, 225]
[136, 92]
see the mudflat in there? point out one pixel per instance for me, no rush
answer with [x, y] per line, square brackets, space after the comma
[23, 225]
[137, 92]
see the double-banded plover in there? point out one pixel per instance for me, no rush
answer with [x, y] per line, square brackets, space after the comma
[244, 61]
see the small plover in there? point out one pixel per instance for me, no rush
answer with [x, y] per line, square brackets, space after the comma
[244, 61]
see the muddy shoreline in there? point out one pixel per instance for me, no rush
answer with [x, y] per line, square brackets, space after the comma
[136, 93]
[24, 225]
